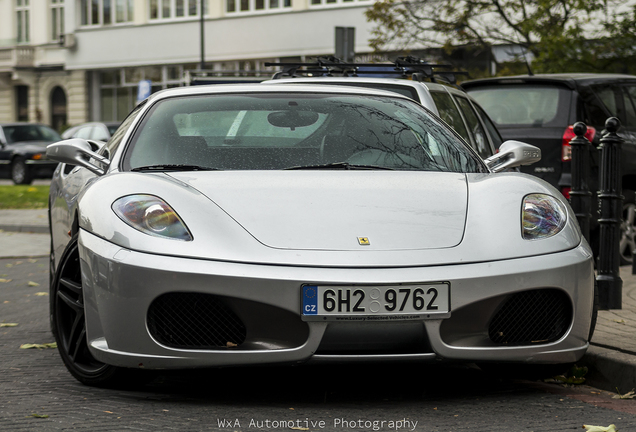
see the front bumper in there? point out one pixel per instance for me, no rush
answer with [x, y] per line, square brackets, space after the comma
[121, 285]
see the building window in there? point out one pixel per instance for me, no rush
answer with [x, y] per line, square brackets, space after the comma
[234, 6]
[118, 87]
[169, 9]
[23, 27]
[22, 103]
[106, 12]
[57, 19]
[335, 2]
[58, 109]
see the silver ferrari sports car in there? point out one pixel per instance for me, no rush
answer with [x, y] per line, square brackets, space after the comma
[249, 224]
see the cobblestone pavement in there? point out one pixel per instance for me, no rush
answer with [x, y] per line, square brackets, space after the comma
[38, 394]
[616, 328]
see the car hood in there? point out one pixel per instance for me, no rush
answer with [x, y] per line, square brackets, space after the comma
[314, 218]
[327, 210]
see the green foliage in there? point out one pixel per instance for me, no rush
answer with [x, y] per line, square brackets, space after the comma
[576, 375]
[24, 197]
[559, 35]
[512, 68]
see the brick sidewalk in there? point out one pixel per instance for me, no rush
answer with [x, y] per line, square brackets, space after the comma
[616, 328]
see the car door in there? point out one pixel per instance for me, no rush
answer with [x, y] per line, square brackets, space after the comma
[493, 133]
[628, 95]
[5, 153]
[617, 99]
[459, 113]
[476, 129]
[449, 112]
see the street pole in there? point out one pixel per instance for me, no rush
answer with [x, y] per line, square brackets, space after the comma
[580, 195]
[610, 284]
[202, 33]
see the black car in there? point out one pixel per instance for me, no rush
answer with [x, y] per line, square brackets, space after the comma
[542, 109]
[23, 151]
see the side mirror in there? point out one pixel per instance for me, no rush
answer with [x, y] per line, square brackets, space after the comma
[513, 154]
[77, 151]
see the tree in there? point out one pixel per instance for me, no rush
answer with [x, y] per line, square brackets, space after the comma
[559, 35]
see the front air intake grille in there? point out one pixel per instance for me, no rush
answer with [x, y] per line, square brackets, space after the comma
[532, 317]
[194, 321]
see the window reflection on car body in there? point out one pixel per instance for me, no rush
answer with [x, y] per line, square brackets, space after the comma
[169, 167]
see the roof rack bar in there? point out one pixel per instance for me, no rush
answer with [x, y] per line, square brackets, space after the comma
[404, 66]
[358, 65]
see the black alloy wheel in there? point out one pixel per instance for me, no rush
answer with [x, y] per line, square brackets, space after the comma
[69, 323]
[20, 172]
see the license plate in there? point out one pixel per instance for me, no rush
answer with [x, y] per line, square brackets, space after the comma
[377, 302]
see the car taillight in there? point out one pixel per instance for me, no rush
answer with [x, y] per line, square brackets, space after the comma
[566, 150]
[565, 191]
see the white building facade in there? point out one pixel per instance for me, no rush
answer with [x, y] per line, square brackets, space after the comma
[64, 62]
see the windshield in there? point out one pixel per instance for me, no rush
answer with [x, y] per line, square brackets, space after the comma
[22, 133]
[533, 105]
[291, 130]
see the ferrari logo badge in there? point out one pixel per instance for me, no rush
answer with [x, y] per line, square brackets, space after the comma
[364, 241]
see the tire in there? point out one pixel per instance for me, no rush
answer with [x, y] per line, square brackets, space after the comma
[51, 274]
[628, 229]
[68, 323]
[20, 172]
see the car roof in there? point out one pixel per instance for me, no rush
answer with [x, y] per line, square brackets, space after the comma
[571, 80]
[391, 81]
[22, 124]
[400, 81]
[273, 88]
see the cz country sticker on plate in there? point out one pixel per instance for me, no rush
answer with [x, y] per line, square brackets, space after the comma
[375, 303]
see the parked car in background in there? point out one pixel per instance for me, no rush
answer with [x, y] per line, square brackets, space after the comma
[251, 224]
[96, 131]
[23, 151]
[449, 102]
[542, 109]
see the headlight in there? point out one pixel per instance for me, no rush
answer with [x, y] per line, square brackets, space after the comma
[542, 216]
[151, 215]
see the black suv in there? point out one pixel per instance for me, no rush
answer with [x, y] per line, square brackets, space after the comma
[541, 110]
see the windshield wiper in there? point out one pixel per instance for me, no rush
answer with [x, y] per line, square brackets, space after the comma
[173, 167]
[339, 165]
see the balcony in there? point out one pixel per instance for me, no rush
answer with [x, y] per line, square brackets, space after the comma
[16, 57]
